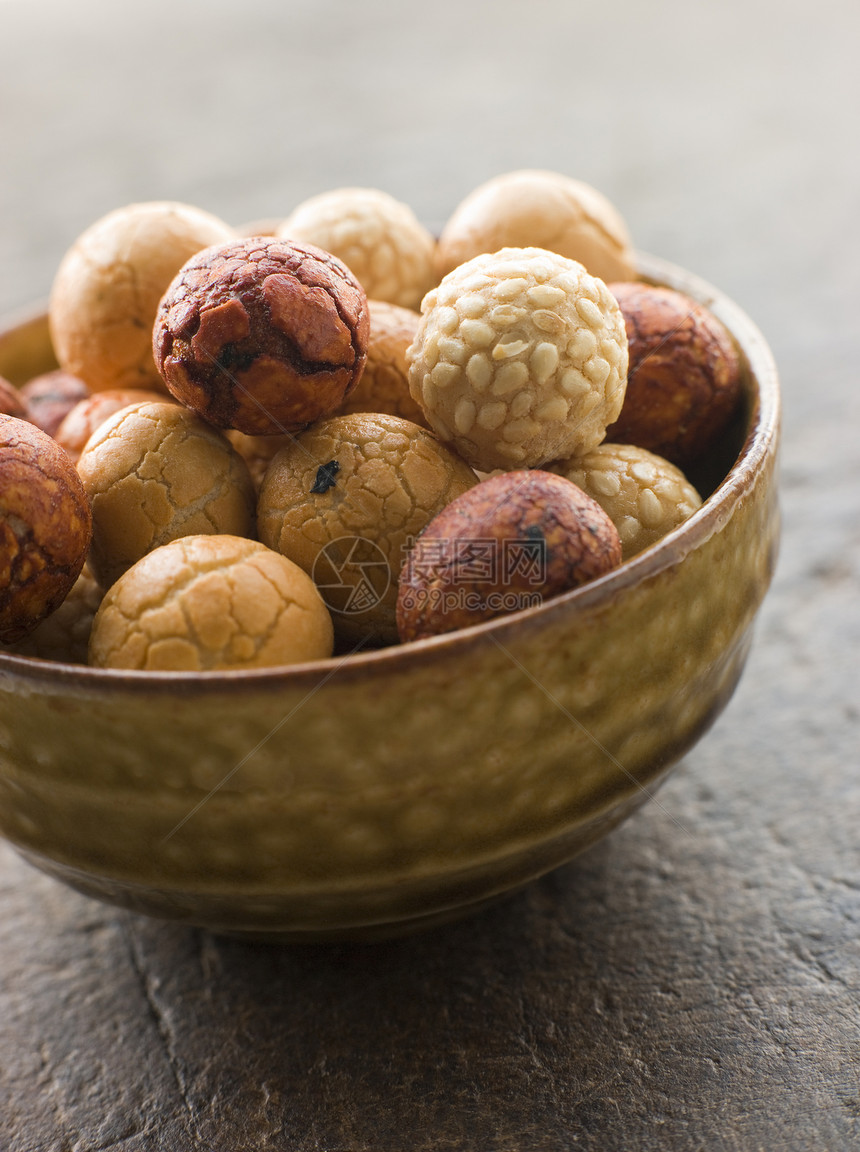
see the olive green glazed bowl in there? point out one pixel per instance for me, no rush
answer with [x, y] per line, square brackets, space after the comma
[376, 794]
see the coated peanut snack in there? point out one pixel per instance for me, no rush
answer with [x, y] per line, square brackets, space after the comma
[262, 335]
[204, 603]
[509, 543]
[65, 634]
[107, 288]
[82, 420]
[51, 397]
[520, 358]
[376, 236]
[644, 495]
[45, 527]
[156, 472]
[683, 381]
[343, 502]
[533, 208]
[384, 384]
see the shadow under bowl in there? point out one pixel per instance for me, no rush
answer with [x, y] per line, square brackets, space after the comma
[369, 796]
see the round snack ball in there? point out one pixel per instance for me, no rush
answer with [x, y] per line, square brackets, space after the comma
[65, 635]
[537, 209]
[205, 603]
[520, 358]
[11, 401]
[256, 451]
[45, 527]
[377, 237]
[154, 473]
[262, 335]
[81, 421]
[642, 494]
[683, 379]
[107, 288]
[384, 384]
[507, 544]
[344, 502]
[51, 397]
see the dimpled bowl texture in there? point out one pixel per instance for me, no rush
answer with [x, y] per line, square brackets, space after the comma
[372, 795]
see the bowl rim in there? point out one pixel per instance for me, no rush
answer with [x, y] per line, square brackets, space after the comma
[759, 445]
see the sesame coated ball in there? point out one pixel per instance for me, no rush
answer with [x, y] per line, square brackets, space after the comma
[644, 495]
[376, 236]
[384, 384]
[45, 527]
[345, 501]
[204, 603]
[520, 358]
[262, 335]
[157, 472]
[535, 208]
[106, 291]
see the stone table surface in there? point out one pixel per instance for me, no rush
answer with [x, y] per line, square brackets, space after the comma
[692, 982]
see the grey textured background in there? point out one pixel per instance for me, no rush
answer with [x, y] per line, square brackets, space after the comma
[677, 989]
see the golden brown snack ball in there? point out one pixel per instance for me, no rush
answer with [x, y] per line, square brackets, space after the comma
[12, 402]
[533, 208]
[51, 397]
[520, 357]
[644, 495]
[65, 634]
[106, 291]
[683, 378]
[87, 415]
[376, 236]
[345, 501]
[256, 451]
[505, 545]
[45, 527]
[262, 335]
[206, 603]
[384, 384]
[157, 472]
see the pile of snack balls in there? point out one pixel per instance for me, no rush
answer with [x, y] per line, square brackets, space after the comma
[333, 431]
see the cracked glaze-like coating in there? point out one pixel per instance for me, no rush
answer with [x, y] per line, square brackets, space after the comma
[210, 602]
[45, 527]
[387, 479]
[154, 473]
[262, 335]
[390, 790]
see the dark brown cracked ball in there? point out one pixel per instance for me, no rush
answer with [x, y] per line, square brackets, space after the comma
[45, 527]
[508, 543]
[262, 335]
[683, 377]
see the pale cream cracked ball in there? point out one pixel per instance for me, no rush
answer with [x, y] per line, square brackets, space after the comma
[536, 208]
[379, 239]
[345, 502]
[520, 357]
[106, 291]
[206, 603]
[157, 472]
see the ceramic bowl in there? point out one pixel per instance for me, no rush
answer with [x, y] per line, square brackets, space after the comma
[376, 794]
